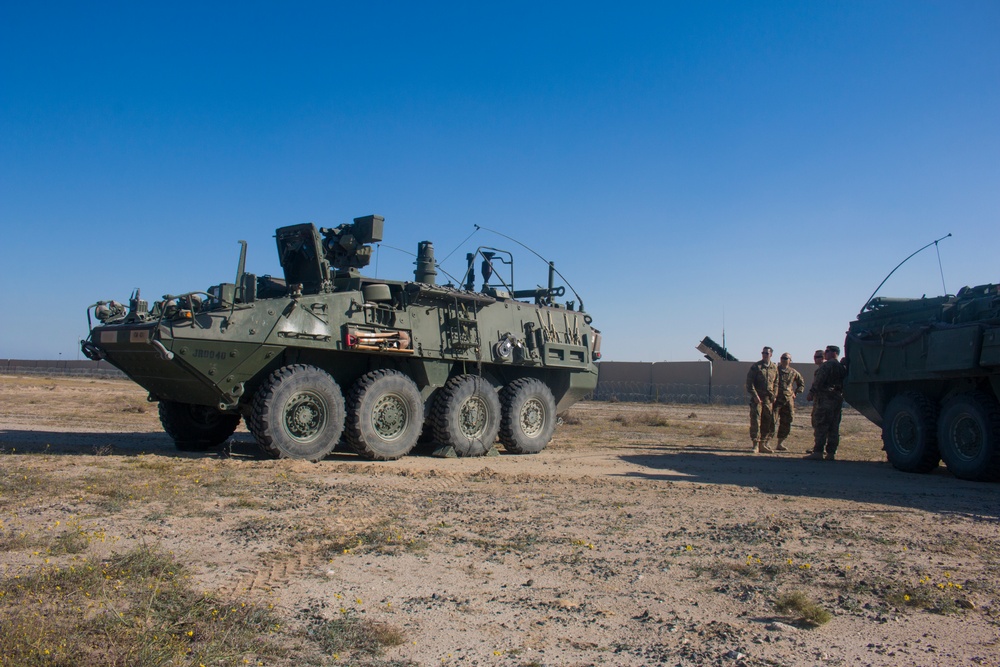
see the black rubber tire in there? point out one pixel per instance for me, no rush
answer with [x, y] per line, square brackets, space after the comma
[467, 415]
[298, 413]
[385, 415]
[909, 433]
[969, 436]
[529, 416]
[196, 428]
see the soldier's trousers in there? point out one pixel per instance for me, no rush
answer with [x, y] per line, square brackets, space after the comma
[827, 426]
[761, 421]
[784, 413]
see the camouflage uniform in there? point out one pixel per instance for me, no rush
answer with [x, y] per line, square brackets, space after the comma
[828, 393]
[790, 385]
[762, 381]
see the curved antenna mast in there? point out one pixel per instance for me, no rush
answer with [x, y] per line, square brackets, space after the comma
[539, 257]
[932, 243]
[459, 246]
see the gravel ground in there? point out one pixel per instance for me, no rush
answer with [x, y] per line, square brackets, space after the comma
[644, 535]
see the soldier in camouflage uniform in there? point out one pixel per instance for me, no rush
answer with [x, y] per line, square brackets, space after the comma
[828, 392]
[818, 360]
[790, 385]
[762, 391]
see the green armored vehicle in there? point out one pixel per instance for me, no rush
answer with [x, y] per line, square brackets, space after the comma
[928, 372]
[325, 353]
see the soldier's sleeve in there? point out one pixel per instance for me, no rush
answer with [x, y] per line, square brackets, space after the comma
[819, 379]
[749, 386]
[799, 383]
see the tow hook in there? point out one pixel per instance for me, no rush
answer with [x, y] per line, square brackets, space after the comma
[165, 354]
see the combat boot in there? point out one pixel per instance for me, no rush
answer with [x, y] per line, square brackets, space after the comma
[829, 457]
[753, 447]
[780, 447]
[814, 456]
[763, 448]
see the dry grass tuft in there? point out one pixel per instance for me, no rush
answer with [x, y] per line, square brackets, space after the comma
[132, 608]
[798, 605]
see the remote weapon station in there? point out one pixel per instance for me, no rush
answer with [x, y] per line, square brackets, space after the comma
[326, 353]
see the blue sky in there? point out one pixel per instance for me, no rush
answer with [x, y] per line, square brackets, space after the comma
[688, 166]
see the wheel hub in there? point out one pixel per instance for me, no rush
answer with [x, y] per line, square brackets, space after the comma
[904, 433]
[968, 438]
[532, 417]
[473, 418]
[305, 416]
[390, 417]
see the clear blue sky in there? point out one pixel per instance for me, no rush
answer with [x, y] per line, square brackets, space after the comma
[760, 165]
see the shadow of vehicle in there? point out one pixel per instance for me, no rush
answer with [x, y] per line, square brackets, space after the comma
[856, 481]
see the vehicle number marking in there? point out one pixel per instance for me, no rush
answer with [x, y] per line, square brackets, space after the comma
[208, 354]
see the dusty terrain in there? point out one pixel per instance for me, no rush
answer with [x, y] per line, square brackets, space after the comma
[645, 534]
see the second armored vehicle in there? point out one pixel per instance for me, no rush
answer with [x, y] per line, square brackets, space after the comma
[928, 371]
[324, 353]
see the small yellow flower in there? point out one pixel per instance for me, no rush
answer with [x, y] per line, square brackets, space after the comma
[906, 598]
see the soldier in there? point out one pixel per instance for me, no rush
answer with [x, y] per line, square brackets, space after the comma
[790, 385]
[762, 390]
[828, 393]
[818, 360]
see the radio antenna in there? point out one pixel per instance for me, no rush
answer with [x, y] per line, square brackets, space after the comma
[932, 243]
[509, 238]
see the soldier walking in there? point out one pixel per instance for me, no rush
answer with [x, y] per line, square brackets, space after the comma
[762, 391]
[790, 385]
[828, 393]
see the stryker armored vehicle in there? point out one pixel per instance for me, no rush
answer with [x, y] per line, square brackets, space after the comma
[325, 353]
[928, 372]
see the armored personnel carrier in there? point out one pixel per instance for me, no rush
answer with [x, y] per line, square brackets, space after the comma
[324, 353]
[928, 372]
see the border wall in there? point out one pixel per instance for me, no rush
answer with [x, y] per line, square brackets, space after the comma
[721, 382]
[84, 368]
[637, 381]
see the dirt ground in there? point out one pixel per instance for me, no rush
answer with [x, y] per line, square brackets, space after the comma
[644, 535]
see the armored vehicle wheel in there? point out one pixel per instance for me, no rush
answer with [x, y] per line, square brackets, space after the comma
[968, 434]
[385, 415]
[529, 416]
[467, 415]
[298, 413]
[909, 433]
[195, 428]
